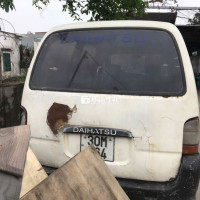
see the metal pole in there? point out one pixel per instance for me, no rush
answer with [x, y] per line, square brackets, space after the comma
[173, 7]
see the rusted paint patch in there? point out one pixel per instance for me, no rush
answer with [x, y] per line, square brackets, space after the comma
[59, 115]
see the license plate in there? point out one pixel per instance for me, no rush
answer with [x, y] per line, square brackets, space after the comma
[103, 144]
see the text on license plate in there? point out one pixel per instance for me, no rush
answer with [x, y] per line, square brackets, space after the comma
[103, 144]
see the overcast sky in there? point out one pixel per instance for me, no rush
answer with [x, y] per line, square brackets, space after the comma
[28, 18]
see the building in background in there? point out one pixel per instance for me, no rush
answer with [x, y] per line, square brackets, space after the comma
[9, 55]
[29, 43]
[29, 39]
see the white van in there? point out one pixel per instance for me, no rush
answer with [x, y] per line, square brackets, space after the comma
[128, 88]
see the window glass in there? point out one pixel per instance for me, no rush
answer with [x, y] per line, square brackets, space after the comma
[129, 61]
[6, 61]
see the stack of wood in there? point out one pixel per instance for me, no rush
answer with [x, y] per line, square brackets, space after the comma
[14, 143]
[84, 177]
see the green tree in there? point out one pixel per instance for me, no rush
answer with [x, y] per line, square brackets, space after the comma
[196, 18]
[7, 5]
[26, 55]
[98, 9]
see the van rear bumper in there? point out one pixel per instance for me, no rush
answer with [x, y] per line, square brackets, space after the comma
[183, 187]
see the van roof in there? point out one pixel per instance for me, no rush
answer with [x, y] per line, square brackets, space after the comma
[115, 24]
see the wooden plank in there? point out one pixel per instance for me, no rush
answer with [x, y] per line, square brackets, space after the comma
[33, 173]
[14, 143]
[84, 177]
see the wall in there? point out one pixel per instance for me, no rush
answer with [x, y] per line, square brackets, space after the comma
[10, 101]
[10, 41]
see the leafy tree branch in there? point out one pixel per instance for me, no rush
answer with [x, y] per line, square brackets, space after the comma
[97, 9]
[7, 5]
[196, 18]
[100, 9]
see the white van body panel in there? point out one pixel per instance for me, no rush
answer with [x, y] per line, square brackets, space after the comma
[156, 123]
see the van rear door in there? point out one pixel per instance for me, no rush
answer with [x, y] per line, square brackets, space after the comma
[121, 89]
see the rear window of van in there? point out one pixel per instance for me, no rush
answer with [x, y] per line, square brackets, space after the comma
[116, 61]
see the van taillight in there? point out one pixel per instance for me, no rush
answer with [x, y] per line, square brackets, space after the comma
[191, 136]
[23, 115]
